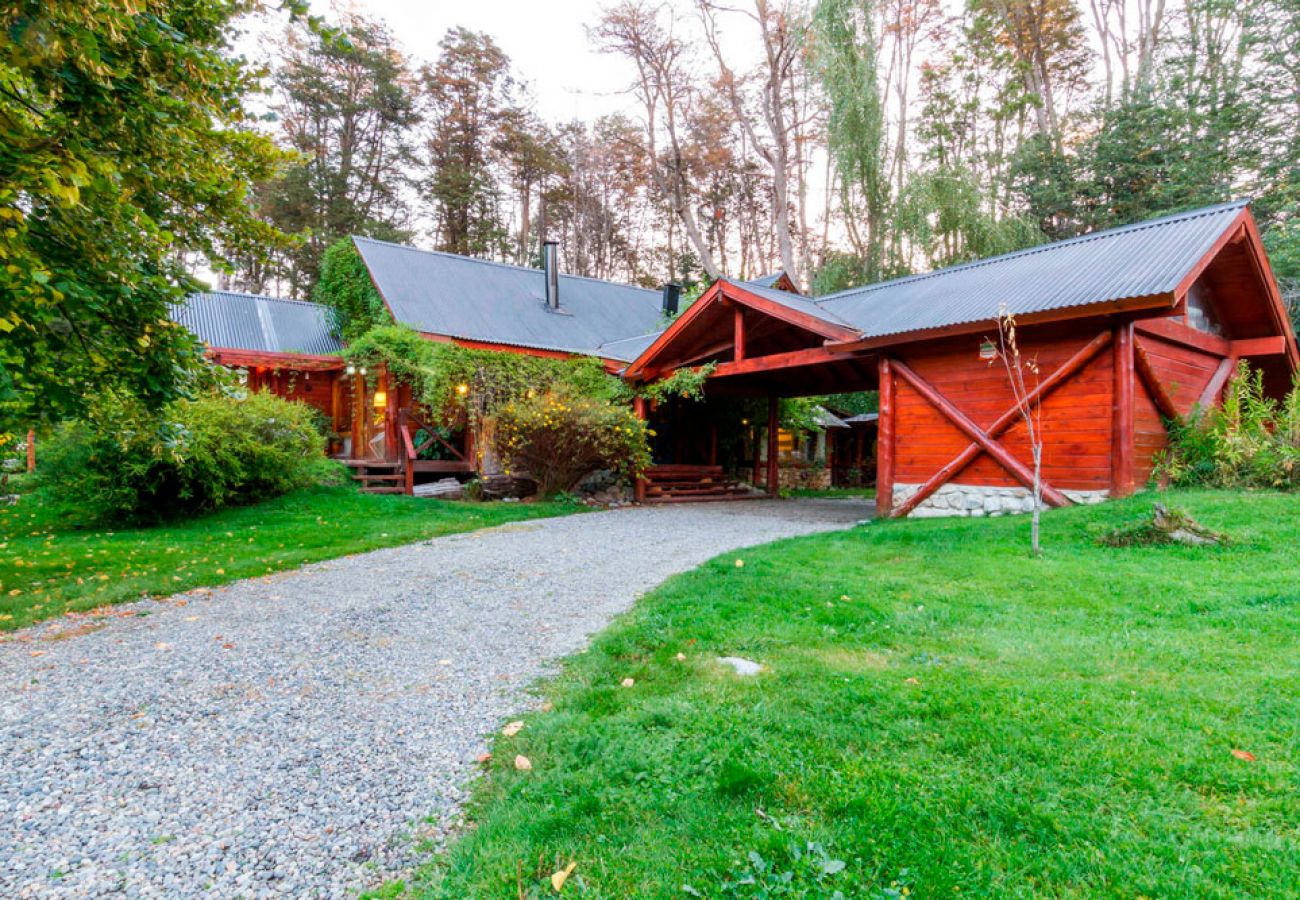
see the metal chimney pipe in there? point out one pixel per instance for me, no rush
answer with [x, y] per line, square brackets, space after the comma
[551, 268]
[672, 298]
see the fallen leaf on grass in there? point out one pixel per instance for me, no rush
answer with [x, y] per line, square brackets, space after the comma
[628, 682]
[512, 729]
[523, 763]
[558, 879]
[740, 564]
[484, 758]
[548, 706]
[1244, 754]
[681, 657]
[911, 681]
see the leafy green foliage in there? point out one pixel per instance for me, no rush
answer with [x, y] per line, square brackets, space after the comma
[56, 558]
[345, 286]
[1250, 441]
[123, 151]
[687, 383]
[451, 381]
[557, 438]
[200, 455]
[943, 714]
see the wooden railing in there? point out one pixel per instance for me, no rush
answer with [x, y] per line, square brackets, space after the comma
[407, 425]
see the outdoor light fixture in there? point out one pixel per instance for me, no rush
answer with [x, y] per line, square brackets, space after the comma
[381, 399]
[462, 389]
[363, 370]
[352, 370]
[744, 421]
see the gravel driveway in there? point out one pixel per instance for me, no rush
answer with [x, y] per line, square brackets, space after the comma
[288, 736]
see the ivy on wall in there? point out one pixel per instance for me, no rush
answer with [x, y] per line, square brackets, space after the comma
[345, 286]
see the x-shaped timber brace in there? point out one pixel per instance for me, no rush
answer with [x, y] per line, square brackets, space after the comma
[986, 440]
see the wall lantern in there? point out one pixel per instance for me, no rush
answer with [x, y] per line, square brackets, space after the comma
[352, 370]
[744, 422]
[381, 399]
[462, 389]
[362, 370]
[988, 350]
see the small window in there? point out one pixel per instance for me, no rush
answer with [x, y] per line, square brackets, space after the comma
[1200, 314]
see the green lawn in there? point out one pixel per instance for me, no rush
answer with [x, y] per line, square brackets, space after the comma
[942, 716]
[842, 493]
[52, 561]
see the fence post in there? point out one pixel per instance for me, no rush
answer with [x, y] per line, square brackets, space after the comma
[31, 450]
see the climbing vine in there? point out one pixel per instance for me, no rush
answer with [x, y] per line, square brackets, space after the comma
[685, 383]
[345, 287]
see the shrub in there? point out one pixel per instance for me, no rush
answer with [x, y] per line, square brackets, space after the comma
[196, 456]
[556, 439]
[1251, 441]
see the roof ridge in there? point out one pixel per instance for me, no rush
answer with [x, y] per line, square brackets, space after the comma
[1040, 248]
[497, 263]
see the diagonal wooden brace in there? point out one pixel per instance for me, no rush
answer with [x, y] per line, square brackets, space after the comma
[985, 441]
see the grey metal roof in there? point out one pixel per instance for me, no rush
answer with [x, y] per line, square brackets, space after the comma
[232, 321]
[862, 418]
[798, 303]
[827, 419]
[628, 349]
[765, 281]
[1133, 261]
[475, 299]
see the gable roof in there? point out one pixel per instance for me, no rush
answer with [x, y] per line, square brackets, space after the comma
[478, 300]
[628, 349]
[777, 280]
[1146, 259]
[234, 321]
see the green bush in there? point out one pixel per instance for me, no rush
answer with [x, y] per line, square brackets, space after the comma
[556, 439]
[196, 456]
[1251, 441]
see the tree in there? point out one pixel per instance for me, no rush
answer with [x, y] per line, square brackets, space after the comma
[470, 95]
[664, 86]
[346, 106]
[124, 150]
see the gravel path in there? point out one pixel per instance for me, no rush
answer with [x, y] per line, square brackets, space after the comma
[288, 736]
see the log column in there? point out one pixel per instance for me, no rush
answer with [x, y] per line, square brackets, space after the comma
[31, 450]
[885, 442]
[1122, 440]
[639, 408]
[773, 444]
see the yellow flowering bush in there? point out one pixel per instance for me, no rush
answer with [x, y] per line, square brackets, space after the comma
[556, 439]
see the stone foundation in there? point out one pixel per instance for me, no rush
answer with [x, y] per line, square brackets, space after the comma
[982, 500]
[811, 477]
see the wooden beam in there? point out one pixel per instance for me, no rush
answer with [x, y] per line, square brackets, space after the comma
[830, 330]
[792, 359]
[739, 339]
[885, 441]
[1000, 455]
[773, 443]
[1235, 231]
[1210, 396]
[302, 362]
[31, 450]
[639, 408]
[1184, 336]
[1265, 346]
[1161, 302]
[1142, 363]
[1066, 371]
[1122, 433]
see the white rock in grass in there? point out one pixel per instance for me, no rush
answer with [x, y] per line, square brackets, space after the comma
[743, 667]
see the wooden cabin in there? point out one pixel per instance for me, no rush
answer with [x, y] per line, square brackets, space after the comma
[287, 347]
[1127, 327]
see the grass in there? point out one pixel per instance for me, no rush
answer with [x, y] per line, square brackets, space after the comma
[940, 716]
[53, 561]
[845, 493]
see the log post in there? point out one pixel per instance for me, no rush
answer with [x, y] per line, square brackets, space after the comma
[739, 333]
[1122, 440]
[773, 438]
[31, 450]
[639, 489]
[885, 442]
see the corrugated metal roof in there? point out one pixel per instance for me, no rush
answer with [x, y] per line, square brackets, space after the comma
[232, 321]
[1133, 261]
[475, 299]
[798, 303]
[628, 349]
[765, 281]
